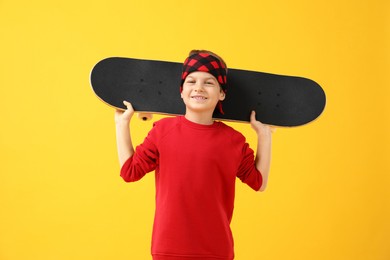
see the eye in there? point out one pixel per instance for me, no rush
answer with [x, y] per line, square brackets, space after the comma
[190, 81]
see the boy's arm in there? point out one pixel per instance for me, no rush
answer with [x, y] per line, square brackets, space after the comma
[123, 137]
[263, 155]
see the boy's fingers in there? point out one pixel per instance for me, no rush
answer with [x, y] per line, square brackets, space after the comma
[253, 115]
[128, 105]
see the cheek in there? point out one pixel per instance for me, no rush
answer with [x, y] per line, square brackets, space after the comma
[183, 93]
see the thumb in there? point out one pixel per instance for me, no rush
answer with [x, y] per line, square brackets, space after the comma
[253, 116]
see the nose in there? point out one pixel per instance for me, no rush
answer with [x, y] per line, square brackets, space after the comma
[199, 87]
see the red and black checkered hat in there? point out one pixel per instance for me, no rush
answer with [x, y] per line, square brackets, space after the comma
[203, 61]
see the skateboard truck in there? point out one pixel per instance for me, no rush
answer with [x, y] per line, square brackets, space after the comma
[145, 116]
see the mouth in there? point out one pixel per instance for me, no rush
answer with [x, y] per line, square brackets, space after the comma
[198, 97]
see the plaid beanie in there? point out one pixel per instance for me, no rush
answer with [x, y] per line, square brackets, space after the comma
[206, 62]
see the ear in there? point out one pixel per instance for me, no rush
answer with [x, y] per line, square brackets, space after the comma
[222, 95]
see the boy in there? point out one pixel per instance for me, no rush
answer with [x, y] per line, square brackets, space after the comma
[196, 161]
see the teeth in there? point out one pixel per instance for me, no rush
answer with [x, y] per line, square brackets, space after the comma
[197, 97]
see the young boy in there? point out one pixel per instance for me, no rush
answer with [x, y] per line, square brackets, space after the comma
[196, 161]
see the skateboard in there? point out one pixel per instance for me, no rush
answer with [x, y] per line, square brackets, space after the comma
[153, 86]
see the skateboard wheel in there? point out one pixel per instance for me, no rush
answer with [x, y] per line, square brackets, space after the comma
[145, 116]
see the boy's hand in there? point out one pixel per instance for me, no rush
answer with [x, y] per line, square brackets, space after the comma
[123, 138]
[263, 155]
[124, 116]
[260, 128]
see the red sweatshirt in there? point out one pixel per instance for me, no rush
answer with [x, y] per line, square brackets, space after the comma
[195, 169]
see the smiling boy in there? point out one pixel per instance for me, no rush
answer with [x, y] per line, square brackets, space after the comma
[201, 93]
[196, 162]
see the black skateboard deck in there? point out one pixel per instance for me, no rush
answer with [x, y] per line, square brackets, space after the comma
[154, 87]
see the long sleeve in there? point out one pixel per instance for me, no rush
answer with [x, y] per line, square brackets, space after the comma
[247, 171]
[144, 160]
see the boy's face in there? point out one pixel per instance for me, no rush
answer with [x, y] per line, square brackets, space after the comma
[201, 92]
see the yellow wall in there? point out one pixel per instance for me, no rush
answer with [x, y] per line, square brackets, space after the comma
[61, 196]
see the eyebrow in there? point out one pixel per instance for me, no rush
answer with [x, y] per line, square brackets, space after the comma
[208, 78]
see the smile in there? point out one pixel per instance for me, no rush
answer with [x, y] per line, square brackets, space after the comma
[198, 97]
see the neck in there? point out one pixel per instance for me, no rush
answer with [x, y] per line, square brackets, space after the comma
[199, 118]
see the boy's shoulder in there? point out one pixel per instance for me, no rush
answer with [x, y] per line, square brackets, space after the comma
[166, 121]
[233, 133]
[165, 124]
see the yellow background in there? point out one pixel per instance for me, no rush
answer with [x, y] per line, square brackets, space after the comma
[61, 196]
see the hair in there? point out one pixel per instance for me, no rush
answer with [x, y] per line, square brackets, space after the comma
[211, 53]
